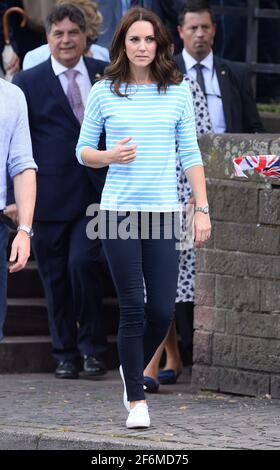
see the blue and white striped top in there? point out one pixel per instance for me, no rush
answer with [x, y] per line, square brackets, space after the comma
[154, 120]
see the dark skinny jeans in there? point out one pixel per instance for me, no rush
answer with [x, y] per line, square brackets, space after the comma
[141, 330]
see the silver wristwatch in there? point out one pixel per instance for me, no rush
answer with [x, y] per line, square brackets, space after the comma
[28, 230]
[205, 209]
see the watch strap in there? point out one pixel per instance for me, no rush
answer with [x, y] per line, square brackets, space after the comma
[25, 228]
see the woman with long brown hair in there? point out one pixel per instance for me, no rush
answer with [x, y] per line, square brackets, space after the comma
[144, 105]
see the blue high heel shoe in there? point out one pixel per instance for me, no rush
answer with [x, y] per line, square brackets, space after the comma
[168, 376]
[150, 385]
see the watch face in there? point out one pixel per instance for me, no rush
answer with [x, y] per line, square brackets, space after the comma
[206, 210]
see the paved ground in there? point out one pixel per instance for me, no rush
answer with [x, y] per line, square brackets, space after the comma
[38, 411]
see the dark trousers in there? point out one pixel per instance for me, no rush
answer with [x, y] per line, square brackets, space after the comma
[69, 265]
[140, 333]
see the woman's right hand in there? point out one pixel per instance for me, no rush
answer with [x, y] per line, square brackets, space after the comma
[122, 153]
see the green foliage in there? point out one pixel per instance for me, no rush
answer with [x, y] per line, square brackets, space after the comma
[269, 107]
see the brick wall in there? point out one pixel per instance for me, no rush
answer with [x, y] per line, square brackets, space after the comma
[237, 314]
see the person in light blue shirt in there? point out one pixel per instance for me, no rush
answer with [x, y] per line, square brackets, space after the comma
[144, 105]
[16, 157]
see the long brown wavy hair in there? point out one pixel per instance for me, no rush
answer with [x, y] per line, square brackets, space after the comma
[164, 69]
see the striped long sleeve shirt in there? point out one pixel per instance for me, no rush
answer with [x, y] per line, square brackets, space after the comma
[154, 120]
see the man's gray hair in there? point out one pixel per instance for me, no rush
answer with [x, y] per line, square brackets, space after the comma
[66, 10]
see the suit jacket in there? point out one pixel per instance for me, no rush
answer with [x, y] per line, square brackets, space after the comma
[239, 105]
[64, 187]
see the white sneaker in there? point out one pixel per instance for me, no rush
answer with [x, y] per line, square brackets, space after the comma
[125, 400]
[138, 417]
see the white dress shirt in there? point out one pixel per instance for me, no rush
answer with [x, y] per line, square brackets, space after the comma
[82, 78]
[213, 92]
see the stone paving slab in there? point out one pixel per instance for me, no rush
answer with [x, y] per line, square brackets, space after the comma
[38, 411]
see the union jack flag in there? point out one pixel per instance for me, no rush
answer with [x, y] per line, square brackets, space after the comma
[268, 165]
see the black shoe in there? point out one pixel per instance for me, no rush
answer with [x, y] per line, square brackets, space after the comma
[66, 370]
[93, 367]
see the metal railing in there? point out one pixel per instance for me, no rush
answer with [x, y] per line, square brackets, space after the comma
[253, 13]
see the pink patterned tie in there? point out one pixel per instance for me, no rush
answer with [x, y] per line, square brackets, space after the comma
[74, 95]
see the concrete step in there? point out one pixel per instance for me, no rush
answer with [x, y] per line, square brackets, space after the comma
[26, 283]
[27, 345]
[28, 316]
[24, 354]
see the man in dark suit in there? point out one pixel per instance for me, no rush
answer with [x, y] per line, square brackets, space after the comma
[226, 84]
[69, 263]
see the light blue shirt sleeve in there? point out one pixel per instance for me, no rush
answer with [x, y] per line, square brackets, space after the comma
[100, 52]
[20, 149]
[36, 56]
[188, 149]
[92, 124]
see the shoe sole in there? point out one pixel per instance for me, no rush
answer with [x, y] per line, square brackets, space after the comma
[135, 426]
[74, 377]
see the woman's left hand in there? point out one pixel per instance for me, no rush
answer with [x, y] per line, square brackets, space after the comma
[202, 228]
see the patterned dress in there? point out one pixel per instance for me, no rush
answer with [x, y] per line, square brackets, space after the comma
[186, 278]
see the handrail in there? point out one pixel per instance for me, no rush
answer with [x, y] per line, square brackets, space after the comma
[253, 13]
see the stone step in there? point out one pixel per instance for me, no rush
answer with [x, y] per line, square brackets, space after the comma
[26, 354]
[28, 316]
[27, 283]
